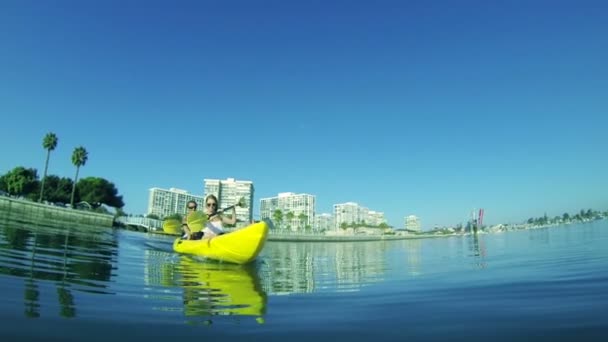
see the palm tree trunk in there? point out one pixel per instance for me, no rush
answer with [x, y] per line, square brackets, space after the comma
[46, 167]
[74, 187]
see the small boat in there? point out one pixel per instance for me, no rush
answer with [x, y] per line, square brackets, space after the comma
[240, 246]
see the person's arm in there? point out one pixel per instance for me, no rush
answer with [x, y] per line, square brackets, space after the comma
[185, 227]
[231, 220]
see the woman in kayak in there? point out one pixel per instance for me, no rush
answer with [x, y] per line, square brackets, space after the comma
[215, 225]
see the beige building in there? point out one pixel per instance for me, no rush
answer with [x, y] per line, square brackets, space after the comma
[302, 206]
[324, 222]
[375, 218]
[412, 223]
[228, 192]
[350, 212]
[163, 202]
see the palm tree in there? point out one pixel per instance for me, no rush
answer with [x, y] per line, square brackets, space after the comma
[79, 158]
[49, 143]
[290, 216]
[277, 216]
[302, 218]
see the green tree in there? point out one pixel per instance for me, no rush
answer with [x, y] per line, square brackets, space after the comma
[277, 216]
[58, 189]
[3, 186]
[79, 158]
[49, 143]
[303, 218]
[290, 216]
[344, 225]
[153, 216]
[120, 212]
[97, 191]
[21, 181]
[383, 225]
[566, 217]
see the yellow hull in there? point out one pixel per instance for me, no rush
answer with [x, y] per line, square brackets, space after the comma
[240, 247]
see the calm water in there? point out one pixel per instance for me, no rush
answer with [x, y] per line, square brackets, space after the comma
[69, 283]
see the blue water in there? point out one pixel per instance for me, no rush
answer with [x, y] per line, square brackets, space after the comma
[94, 284]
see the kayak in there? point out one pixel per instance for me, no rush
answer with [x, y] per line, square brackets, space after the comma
[239, 247]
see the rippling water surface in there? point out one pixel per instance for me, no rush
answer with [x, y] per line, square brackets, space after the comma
[59, 282]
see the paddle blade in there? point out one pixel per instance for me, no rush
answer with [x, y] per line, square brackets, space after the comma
[172, 226]
[196, 221]
[241, 203]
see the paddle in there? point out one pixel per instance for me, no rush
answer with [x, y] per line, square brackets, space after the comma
[197, 220]
[240, 203]
[172, 226]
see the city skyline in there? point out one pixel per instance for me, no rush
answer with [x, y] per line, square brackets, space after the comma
[431, 110]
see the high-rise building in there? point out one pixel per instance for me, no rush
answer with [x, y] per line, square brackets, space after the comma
[162, 202]
[412, 223]
[352, 213]
[297, 210]
[375, 218]
[324, 222]
[228, 192]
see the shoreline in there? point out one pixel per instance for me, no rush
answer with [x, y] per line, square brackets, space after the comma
[350, 238]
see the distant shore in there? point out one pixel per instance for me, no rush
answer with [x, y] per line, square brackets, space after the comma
[307, 237]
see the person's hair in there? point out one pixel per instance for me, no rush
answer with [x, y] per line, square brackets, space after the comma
[193, 202]
[211, 196]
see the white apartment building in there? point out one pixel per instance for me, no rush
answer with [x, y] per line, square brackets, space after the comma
[324, 222]
[228, 192]
[412, 223]
[302, 207]
[162, 202]
[348, 213]
[351, 212]
[375, 218]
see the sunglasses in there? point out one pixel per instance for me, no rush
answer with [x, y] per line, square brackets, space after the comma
[213, 204]
[191, 207]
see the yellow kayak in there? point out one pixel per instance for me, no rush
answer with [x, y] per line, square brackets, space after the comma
[239, 247]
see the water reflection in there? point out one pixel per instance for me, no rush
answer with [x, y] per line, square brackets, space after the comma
[312, 267]
[207, 288]
[539, 236]
[213, 288]
[478, 250]
[413, 256]
[66, 257]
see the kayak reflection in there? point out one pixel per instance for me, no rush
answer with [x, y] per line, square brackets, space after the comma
[211, 289]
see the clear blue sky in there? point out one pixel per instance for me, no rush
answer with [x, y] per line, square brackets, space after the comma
[430, 108]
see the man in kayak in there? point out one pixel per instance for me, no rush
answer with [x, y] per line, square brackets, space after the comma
[215, 221]
[188, 235]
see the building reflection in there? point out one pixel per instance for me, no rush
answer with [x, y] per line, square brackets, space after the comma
[413, 248]
[477, 250]
[313, 267]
